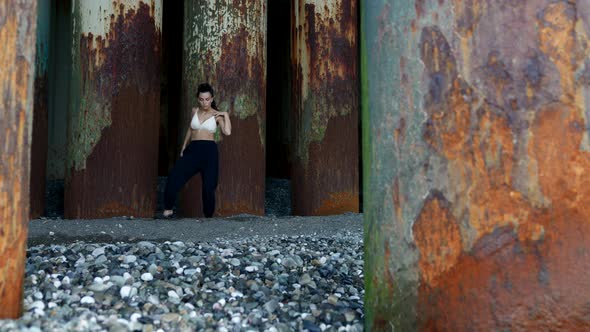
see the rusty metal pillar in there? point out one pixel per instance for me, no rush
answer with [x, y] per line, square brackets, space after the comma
[114, 109]
[225, 45]
[324, 107]
[17, 59]
[477, 198]
[40, 136]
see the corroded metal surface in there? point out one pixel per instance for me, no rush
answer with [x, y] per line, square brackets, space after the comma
[325, 107]
[17, 60]
[114, 108]
[477, 138]
[39, 140]
[225, 45]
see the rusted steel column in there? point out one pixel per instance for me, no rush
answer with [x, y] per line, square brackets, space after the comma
[114, 109]
[325, 107]
[225, 45]
[477, 198]
[39, 143]
[17, 59]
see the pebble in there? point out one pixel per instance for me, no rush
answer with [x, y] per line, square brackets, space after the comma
[98, 251]
[127, 291]
[130, 259]
[87, 300]
[280, 283]
[147, 277]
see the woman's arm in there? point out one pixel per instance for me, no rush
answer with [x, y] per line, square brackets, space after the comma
[187, 137]
[224, 122]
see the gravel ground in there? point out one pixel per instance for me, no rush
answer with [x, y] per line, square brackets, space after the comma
[242, 273]
[273, 284]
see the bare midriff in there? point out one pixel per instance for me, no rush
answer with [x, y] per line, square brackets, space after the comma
[202, 135]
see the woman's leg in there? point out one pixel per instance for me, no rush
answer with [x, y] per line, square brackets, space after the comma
[185, 168]
[210, 174]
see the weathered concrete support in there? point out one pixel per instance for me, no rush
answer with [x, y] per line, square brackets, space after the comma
[39, 142]
[17, 62]
[114, 109]
[225, 45]
[325, 107]
[477, 196]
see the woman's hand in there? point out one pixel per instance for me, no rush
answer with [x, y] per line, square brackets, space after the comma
[224, 114]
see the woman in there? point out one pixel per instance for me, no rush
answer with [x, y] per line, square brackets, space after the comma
[201, 153]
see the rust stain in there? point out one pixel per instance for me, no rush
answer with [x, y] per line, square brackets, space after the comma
[237, 183]
[557, 40]
[324, 102]
[477, 141]
[330, 182]
[338, 202]
[561, 164]
[119, 73]
[397, 200]
[17, 35]
[438, 238]
[491, 256]
[230, 208]
[468, 13]
[232, 57]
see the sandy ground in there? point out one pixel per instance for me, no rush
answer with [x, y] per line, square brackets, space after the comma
[54, 231]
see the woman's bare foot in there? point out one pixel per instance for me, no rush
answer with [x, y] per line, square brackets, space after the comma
[168, 213]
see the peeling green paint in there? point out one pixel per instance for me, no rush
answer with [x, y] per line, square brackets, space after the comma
[316, 114]
[223, 46]
[93, 116]
[324, 52]
[391, 105]
[89, 114]
[244, 106]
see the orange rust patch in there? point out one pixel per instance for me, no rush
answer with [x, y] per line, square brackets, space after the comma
[17, 35]
[337, 203]
[515, 264]
[478, 144]
[240, 205]
[438, 238]
[397, 200]
[555, 144]
[557, 39]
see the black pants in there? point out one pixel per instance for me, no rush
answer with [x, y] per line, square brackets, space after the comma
[199, 156]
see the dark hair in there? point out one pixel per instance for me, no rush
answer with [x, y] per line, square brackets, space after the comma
[206, 87]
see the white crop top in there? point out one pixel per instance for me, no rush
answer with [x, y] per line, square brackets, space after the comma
[209, 124]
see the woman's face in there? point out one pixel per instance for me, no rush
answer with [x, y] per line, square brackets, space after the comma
[205, 100]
